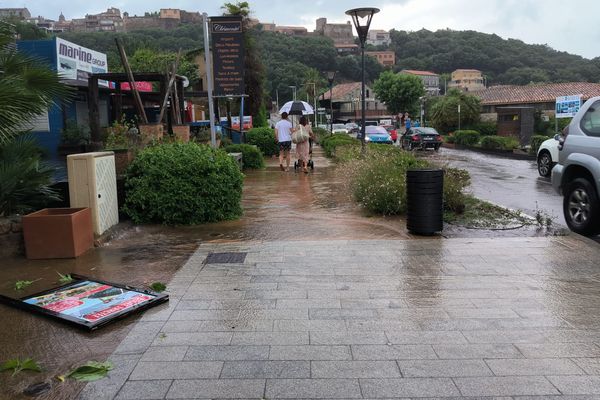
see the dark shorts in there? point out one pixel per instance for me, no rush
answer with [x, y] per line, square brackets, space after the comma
[285, 146]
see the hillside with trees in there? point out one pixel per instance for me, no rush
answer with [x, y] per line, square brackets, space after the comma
[502, 61]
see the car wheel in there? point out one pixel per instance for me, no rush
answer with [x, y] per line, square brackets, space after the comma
[545, 164]
[410, 146]
[581, 207]
[437, 148]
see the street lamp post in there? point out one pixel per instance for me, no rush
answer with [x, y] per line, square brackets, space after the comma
[314, 93]
[294, 89]
[330, 79]
[361, 18]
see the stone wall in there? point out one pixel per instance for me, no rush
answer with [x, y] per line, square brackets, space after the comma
[11, 237]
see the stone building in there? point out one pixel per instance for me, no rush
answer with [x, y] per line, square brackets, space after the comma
[19, 13]
[339, 33]
[385, 58]
[347, 103]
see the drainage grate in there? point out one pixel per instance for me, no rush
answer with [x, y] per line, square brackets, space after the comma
[225, 258]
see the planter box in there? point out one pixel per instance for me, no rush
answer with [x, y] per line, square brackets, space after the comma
[123, 157]
[151, 132]
[58, 233]
[182, 133]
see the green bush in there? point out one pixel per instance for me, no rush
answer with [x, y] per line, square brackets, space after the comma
[24, 178]
[320, 133]
[486, 128]
[264, 138]
[535, 142]
[73, 134]
[330, 143]
[378, 181]
[499, 143]
[449, 139]
[466, 137]
[251, 156]
[183, 183]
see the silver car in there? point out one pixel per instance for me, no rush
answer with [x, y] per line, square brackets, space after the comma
[577, 174]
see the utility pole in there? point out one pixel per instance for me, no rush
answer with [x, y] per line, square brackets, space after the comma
[209, 83]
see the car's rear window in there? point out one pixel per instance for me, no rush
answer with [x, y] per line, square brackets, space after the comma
[590, 123]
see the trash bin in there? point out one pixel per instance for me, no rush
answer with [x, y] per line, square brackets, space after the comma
[425, 201]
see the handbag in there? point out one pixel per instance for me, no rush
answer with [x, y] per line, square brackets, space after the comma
[300, 136]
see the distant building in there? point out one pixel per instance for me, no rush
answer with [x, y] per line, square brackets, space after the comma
[292, 30]
[107, 21]
[385, 58]
[346, 48]
[339, 33]
[19, 13]
[467, 80]
[347, 105]
[378, 37]
[431, 80]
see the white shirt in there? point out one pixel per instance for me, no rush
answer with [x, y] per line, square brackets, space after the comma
[284, 130]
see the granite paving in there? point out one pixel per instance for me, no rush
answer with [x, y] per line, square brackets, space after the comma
[494, 318]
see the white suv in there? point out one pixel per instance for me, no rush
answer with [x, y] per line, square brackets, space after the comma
[577, 174]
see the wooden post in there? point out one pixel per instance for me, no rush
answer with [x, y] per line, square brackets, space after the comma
[94, 111]
[118, 102]
[136, 95]
[171, 81]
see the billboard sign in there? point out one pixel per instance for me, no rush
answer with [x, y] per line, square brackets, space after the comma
[567, 106]
[228, 55]
[75, 62]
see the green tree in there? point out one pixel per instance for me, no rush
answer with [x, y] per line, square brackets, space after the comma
[399, 92]
[27, 87]
[146, 60]
[444, 112]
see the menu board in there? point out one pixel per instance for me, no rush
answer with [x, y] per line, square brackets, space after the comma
[228, 55]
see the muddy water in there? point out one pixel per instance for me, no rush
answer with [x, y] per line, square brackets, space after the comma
[277, 206]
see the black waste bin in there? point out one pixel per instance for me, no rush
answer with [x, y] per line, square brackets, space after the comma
[425, 201]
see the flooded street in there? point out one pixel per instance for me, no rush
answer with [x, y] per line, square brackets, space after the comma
[277, 206]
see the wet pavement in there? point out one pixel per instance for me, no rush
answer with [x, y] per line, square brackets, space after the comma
[508, 182]
[329, 303]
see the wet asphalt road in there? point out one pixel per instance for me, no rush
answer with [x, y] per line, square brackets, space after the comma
[511, 183]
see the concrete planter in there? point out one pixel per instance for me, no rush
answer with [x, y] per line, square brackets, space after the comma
[182, 133]
[151, 132]
[58, 233]
[123, 157]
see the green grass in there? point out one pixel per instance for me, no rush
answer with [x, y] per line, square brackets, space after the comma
[479, 214]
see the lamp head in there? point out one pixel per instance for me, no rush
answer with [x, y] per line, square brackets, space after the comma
[361, 18]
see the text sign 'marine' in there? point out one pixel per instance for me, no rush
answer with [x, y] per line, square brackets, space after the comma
[228, 55]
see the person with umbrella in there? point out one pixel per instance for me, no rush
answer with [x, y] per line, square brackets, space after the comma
[283, 136]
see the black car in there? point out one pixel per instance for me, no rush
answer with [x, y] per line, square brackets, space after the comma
[421, 138]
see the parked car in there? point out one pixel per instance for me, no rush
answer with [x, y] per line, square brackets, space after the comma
[547, 156]
[339, 128]
[392, 131]
[577, 173]
[377, 134]
[371, 123]
[421, 138]
[352, 127]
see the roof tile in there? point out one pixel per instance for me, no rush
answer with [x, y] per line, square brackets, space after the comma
[540, 93]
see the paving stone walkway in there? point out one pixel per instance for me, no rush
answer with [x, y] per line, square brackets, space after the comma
[506, 318]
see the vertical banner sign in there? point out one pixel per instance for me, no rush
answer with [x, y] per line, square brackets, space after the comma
[228, 55]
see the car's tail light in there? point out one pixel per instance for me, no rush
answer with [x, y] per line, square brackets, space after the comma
[438, 138]
[415, 138]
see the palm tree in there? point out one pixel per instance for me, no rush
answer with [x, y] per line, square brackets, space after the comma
[28, 88]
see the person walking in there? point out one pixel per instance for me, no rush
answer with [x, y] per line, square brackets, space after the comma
[283, 136]
[303, 148]
[407, 123]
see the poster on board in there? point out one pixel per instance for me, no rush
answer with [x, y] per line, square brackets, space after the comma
[88, 303]
[567, 106]
[228, 55]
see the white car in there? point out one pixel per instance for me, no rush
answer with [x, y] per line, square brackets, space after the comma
[339, 128]
[547, 156]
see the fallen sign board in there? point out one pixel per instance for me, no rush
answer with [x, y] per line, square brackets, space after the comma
[88, 303]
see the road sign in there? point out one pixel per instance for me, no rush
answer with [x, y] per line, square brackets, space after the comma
[567, 106]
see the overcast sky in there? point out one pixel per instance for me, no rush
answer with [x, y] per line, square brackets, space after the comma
[567, 26]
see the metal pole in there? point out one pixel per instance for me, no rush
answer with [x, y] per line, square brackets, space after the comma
[277, 98]
[242, 120]
[209, 83]
[363, 104]
[330, 108]
[459, 116]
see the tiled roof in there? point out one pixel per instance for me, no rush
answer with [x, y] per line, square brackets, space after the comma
[467, 70]
[542, 93]
[415, 72]
[342, 90]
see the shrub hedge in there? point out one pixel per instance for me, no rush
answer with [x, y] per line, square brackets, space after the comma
[252, 158]
[330, 143]
[466, 137]
[183, 183]
[499, 143]
[320, 133]
[264, 138]
[535, 142]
